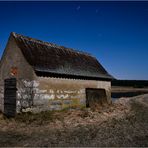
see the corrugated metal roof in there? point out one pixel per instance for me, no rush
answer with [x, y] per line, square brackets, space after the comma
[53, 59]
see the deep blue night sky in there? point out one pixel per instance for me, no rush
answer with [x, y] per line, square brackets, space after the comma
[115, 32]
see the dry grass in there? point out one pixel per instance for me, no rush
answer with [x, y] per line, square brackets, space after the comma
[122, 124]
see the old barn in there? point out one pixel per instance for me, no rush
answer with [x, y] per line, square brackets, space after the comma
[36, 75]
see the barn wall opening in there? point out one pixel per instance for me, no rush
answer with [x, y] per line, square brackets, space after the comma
[95, 97]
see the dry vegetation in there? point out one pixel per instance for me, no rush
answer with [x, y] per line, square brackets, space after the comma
[125, 123]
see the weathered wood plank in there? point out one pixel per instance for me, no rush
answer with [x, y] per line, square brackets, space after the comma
[10, 97]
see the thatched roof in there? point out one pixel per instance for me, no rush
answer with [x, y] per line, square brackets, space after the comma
[48, 59]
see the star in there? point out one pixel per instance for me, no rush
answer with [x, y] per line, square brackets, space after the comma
[78, 8]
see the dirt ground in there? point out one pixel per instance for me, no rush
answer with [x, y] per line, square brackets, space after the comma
[124, 123]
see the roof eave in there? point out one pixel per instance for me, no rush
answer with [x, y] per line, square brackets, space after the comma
[68, 76]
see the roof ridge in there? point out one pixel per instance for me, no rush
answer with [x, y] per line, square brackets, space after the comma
[16, 35]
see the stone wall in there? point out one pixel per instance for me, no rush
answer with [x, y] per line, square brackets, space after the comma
[57, 93]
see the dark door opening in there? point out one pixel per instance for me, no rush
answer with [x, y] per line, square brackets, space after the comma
[95, 97]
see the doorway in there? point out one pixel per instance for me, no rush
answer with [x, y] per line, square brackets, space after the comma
[95, 97]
